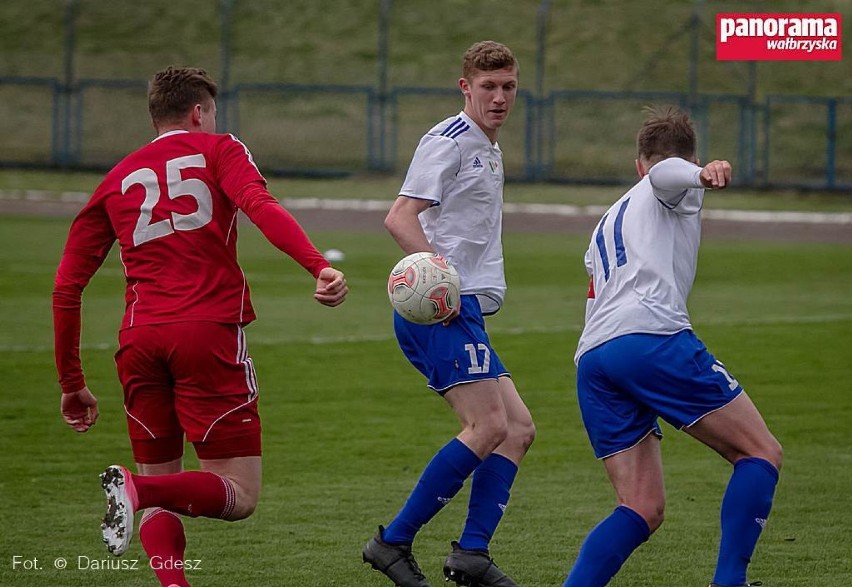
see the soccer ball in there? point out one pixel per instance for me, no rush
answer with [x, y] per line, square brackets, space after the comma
[423, 288]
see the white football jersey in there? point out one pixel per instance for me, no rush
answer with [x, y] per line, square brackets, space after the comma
[643, 255]
[461, 171]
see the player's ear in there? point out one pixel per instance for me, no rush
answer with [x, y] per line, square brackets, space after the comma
[640, 169]
[197, 113]
[464, 85]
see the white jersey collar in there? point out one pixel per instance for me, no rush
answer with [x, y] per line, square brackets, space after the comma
[170, 133]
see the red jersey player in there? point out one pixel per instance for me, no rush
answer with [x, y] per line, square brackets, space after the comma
[183, 363]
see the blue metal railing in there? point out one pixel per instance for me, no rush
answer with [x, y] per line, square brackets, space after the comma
[56, 90]
[829, 177]
[374, 145]
[755, 132]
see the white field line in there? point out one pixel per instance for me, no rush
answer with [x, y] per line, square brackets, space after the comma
[509, 331]
[573, 211]
[43, 196]
[356, 205]
[780, 217]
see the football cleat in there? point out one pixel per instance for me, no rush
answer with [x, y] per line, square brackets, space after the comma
[394, 560]
[474, 568]
[117, 526]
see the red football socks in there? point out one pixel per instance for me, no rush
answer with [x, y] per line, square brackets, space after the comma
[162, 537]
[192, 493]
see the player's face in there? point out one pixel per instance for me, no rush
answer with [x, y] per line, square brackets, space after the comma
[489, 97]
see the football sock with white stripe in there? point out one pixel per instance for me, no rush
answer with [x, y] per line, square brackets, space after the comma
[441, 480]
[489, 494]
[745, 508]
[191, 493]
[606, 548]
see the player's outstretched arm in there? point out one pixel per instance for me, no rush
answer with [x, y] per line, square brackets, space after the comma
[79, 409]
[716, 175]
[331, 287]
[279, 227]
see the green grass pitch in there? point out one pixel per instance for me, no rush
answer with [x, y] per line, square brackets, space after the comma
[349, 425]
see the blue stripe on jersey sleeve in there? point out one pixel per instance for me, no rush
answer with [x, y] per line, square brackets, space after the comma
[601, 242]
[452, 126]
[620, 251]
[462, 130]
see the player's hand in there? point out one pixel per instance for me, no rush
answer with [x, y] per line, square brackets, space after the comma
[331, 287]
[716, 175]
[80, 409]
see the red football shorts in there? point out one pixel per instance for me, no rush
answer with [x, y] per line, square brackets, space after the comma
[188, 378]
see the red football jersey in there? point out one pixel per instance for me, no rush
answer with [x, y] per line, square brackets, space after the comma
[172, 205]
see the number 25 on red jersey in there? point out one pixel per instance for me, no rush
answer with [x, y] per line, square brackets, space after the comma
[177, 186]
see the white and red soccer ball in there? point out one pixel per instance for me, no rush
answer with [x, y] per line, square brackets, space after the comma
[423, 288]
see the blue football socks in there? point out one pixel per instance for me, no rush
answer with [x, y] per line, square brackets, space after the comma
[489, 494]
[441, 480]
[745, 507]
[606, 548]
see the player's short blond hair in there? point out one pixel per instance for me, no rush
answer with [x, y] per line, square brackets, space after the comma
[174, 91]
[487, 56]
[667, 132]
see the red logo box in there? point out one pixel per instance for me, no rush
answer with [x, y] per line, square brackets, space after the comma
[779, 37]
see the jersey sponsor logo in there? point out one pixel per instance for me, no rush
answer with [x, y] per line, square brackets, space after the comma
[761, 522]
[455, 128]
[779, 37]
[477, 164]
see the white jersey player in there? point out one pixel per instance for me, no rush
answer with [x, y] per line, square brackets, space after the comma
[451, 204]
[638, 359]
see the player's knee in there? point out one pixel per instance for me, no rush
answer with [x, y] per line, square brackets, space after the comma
[655, 520]
[243, 511]
[243, 507]
[492, 432]
[654, 515]
[523, 434]
[245, 500]
[651, 508]
[774, 453]
[497, 435]
[767, 448]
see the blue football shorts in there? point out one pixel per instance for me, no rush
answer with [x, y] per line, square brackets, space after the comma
[449, 355]
[624, 384]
